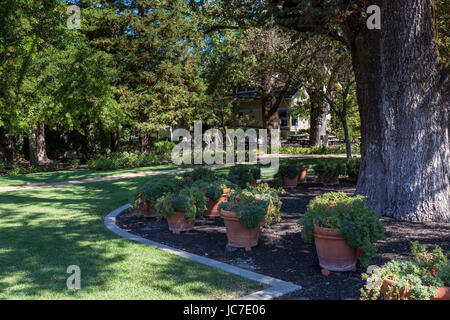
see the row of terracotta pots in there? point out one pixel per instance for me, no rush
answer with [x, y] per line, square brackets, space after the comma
[177, 221]
[292, 182]
[238, 235]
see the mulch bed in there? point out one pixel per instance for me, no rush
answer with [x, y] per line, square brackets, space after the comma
[281, 252]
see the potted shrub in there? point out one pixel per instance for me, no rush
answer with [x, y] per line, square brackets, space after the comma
[182, 209]
[353, 169]
[271, 196]
[423, 277]
[216, 195]
[328, 173]
[255, 174]
[226, 184]
[289, 172]
[144, 199]
[344, 229]
[243, 219]
[244, 175]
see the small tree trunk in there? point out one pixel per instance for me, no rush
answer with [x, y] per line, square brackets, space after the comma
[37, 146]
[6, 147]
[115, 146]
[143, 142]
[318, 113]
[348, 145]
[270, 117]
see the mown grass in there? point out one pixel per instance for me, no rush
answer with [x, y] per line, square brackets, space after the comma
[43, 231]
[58, 176]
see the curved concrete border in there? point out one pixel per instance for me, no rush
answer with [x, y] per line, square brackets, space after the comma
[276, 287]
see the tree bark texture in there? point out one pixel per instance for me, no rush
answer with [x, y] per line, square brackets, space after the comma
[115, 146]
[6, 147]
[143, 142]
[318, 116]
[37, 146]
[403, 94]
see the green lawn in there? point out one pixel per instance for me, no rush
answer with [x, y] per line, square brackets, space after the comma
[43, 231]
[57, 176]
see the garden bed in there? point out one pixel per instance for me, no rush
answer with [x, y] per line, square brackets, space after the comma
[282, 253]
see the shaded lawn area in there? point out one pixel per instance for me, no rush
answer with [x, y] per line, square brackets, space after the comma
[43, 231]
[58, 176]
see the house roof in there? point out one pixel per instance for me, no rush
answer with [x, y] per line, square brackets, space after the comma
[254, 95]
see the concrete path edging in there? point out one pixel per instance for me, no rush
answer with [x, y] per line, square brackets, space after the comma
[277, 287]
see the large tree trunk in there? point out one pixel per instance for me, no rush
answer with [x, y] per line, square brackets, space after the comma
[6, 147]
[318, 116]
[403, 94]
[37, 146]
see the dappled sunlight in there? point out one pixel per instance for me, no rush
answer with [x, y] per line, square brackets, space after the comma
[43, 231]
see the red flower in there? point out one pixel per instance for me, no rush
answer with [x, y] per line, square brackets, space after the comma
[432, 272]
[314, 198]
[359, 253]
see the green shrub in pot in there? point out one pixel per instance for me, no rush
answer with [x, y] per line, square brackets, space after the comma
[150, 194]
[327, 171]
[289, 169]
[271, 197]
[250, 215]
[214, 191]
[352, 168]
[238, 199]
[357, 222]
[189, 200]
[419, 276]
[244, 175]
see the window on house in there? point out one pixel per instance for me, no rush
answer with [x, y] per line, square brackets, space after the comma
[282, 114]
[294, 122]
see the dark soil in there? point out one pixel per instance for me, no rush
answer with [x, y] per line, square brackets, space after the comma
[281, 252]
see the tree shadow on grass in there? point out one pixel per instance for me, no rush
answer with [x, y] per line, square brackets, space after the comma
[44, 231]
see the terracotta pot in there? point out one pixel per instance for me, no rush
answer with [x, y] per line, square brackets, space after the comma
[150, 213]
[238, 235]
[290, 183]
[212, 207]
[330, 182]
[178, 222]
[443, 292]
[333, 251]
[303, 173]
